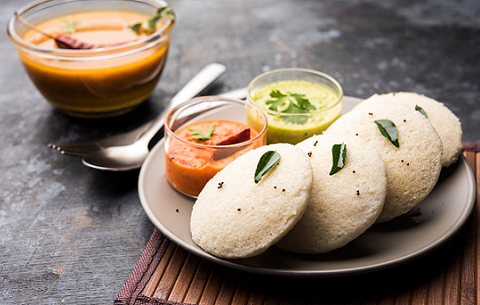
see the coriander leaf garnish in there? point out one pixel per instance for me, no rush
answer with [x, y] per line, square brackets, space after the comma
[420, 109]
[268, 161]
[203, 136]
[339, 156]
[280, 100]
[149, 26]
[389, 131]
[295, 104]
[136, 28]
[70, 26]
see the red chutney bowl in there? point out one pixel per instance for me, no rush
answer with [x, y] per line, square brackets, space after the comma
[191, 162]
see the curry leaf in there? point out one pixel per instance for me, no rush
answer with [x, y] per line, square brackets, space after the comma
[339, 156]
[389, 131]
[420, 109]
[266, 163]
[203, 136]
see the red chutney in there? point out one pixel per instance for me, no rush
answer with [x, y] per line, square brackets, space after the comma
[190, 167]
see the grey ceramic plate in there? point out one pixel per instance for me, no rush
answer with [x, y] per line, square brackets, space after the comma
[382, 246]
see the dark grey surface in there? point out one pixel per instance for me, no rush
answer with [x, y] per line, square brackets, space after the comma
[71, 235]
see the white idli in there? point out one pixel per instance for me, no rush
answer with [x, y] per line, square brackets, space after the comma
[343, 205]
[413, 168]
[445, 122]
[234, 217]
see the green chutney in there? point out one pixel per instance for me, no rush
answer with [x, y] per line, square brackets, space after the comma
[281, 128]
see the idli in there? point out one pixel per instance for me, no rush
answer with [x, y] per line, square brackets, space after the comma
[413, 167]
[344, 204]
[235, 217]
[445, 122]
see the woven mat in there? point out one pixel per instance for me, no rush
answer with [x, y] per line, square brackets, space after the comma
[167, 274]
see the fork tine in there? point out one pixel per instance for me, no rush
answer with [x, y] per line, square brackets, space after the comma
[83, 148]
[78, 149]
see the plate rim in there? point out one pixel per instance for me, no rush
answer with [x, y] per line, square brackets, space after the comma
[456, 227]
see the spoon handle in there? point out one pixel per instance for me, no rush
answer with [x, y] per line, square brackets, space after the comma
[198, 83]
[238, 94]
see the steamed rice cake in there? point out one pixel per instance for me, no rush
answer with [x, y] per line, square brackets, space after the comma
[445, 122]
[343, 205]
[234, 217]
[413, 168]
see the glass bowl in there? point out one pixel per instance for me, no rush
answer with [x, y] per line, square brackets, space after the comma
[108, 80]
[289, 123]
[191, 163]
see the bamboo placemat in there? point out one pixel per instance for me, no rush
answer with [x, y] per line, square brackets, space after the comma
[167, 274]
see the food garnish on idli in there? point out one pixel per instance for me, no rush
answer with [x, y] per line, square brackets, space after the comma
[348, 193]
[243, 210]
[413, 167]
[445, 122]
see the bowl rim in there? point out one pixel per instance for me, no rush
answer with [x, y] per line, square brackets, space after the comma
[286, 70]
[89, 54]
[214, 98]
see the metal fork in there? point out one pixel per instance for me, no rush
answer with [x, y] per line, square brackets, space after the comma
[198, 83]
[127, 151]
[82, 148]
[126, 138]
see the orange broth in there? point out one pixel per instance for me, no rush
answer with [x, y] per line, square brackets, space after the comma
[100, 85]
[189, 167]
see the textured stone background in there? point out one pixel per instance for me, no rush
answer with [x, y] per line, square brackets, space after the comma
[70, 234]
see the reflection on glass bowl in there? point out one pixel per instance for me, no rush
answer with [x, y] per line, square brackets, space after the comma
[112, 78]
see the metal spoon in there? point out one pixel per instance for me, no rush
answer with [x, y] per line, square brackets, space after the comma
[129, 157]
